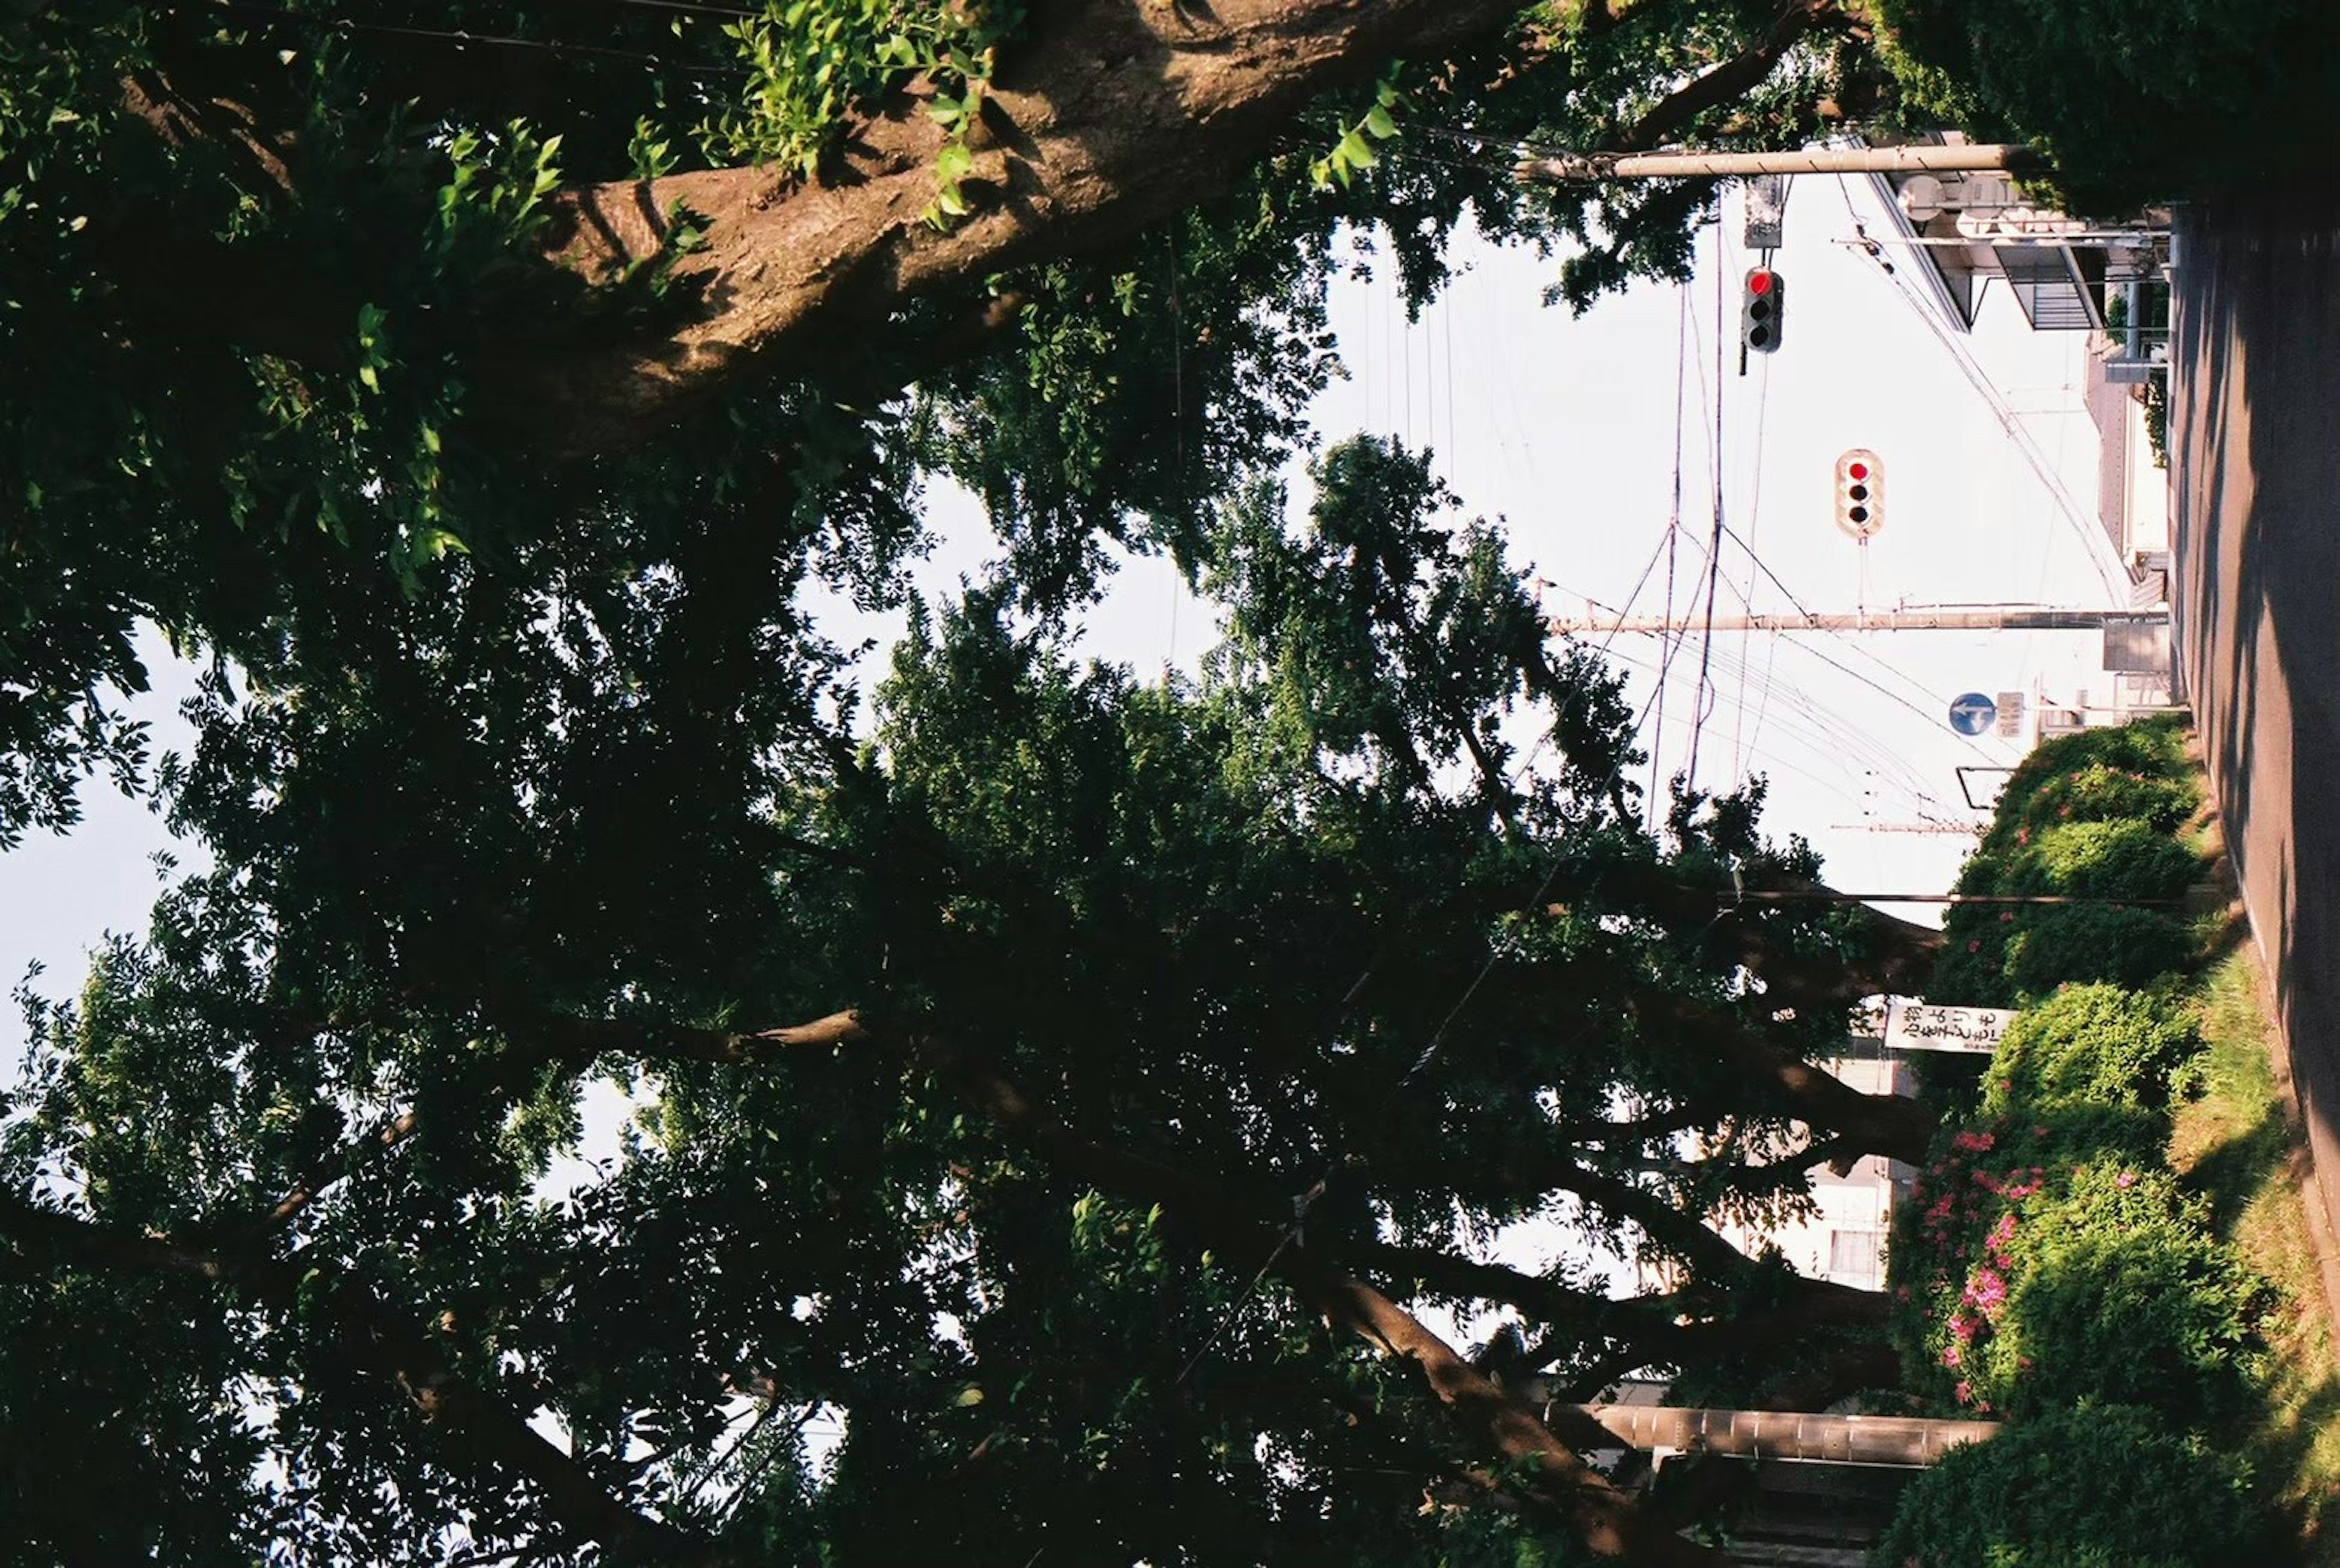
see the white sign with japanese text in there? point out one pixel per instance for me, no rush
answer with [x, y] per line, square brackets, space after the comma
[1924, 1027]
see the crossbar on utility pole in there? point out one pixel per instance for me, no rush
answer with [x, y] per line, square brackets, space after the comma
[1832, 895]
[2013, 618]
[1577, 168]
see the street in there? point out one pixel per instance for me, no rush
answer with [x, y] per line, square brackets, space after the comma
[2254, 444]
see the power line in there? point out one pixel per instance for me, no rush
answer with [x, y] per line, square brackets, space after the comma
[1962, 356]
[460, 39]
[1702, 704]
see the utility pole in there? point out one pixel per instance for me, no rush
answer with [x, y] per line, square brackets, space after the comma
[1919, 618]
[1578, 168]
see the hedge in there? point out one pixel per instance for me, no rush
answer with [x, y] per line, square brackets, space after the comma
[2096, 1487]
[2048, 1267]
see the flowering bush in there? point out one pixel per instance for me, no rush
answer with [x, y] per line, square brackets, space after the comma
[2107, 1285]
[2101, 791]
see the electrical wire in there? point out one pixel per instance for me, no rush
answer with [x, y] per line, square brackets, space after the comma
[457, 38]
[1961, 355]
[1702, 700]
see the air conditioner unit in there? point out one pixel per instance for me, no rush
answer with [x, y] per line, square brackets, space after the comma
[2055, 719]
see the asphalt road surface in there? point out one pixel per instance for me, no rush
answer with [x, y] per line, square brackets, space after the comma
[2255, 450]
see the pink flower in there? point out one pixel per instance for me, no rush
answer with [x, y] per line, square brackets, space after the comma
[1950, 1356]
[2128, 1179]
[1964, 1390]
[1975, 945]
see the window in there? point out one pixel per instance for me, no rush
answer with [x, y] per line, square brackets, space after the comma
[1855, 1258]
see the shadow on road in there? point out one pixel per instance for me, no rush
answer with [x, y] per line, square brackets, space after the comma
[2254, 444]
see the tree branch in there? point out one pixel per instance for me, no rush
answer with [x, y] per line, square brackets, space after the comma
[1733, 78]
[374, 1339]
[1608, 1522]
[1891, 1125]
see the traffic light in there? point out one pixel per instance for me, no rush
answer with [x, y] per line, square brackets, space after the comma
[1759, 309]
[1860, 493]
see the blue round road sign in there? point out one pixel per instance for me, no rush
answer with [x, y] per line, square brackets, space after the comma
[1973, 713]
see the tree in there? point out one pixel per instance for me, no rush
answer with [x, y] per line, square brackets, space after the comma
[2132, 102]
[1101, 1194]
[1193, 1034]
[295, 297]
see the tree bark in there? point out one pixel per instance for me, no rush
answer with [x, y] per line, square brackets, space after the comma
[1107, 117]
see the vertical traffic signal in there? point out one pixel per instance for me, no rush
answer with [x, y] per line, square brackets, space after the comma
[1759, 311]
[1860, 493]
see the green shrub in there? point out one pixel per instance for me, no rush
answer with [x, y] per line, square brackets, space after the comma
[2065, 1492]
[2101, 793]
[1994, 958]
[2106, 1283]
[2138, 770]
[2126, 858]
[2091, 1045]
[2085, 943]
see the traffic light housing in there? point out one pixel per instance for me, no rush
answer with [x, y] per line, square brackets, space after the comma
[1860, 493]
[1759, 309]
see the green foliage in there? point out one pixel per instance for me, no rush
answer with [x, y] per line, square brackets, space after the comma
[2085, 944]
[2133, 102]
[2096, 1486]
[1149, 905]
[1353, 153]
[2093, 1045]
[2128, 856]
[2091, 815]
[813, 64]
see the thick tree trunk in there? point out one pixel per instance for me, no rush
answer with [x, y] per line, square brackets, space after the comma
[1110, 115]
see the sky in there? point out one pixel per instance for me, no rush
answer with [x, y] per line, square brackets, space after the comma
[1563, 429]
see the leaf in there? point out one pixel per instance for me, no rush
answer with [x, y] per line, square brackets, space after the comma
[1378, 120]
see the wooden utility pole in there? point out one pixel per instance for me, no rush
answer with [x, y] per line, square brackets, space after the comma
[1785, 1434]
[1985, 618]
[1578, 168]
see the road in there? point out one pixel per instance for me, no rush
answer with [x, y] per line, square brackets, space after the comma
[2254, 444]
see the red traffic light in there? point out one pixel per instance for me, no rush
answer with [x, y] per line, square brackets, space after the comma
[1759, 281]
[1861, 492]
